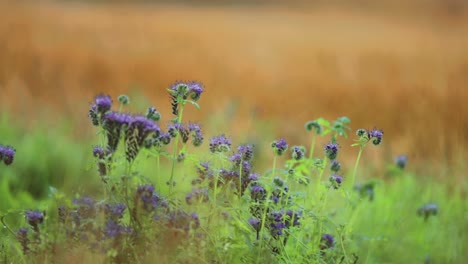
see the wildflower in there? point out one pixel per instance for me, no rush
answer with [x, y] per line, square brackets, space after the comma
[246, 152]
[428, 210]
[310, 125]
[279, 146]
[197, 195]
[165, 138]
[114, 123]
[115, 211]
[204, 171]
[335, 166]
[401, 161]
[138, 130]
[220, 144]
[255, 223]
[153, 114]
[7, 154]
[298, 152]
[276, 223]
[103, 103]
[292, 217]
[361, 132]
[331, 151]
[258, 193]
[376, 136]
[113, 229]
[22, 236]
[34, 219]
[148, 197]
[197, 136]
[123, 99]
[327, 241]
[195, 90]
[336, 181]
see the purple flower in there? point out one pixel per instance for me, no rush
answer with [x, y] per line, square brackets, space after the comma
[103, 103]
[279, 146]
[7, 154]
[327, 241]
[331, 151]
[34, 218]
[22, 236]
[195, 90]
[336, 180]
[165, 138]
[197, 136]
[428, 210]
[246, 151]
[335, 166]
[298, 152]
[100, 153]
[376, 136]
[401, 161]
[197, 195]
[255, 223]
[116, 210]
[204, 171]
[150, 200]
[220, 144]
[113, 229]
[258, 193]
[113, 124]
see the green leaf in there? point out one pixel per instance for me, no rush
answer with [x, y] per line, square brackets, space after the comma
[194, 103]
[323, 122]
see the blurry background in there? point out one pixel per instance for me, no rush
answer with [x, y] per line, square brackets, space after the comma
[401, 66]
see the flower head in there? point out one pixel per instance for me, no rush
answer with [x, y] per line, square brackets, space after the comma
[331, 151]
[376, 136]
[279, 146]
[298, 152]
[336, 181]
[195, 90]
[327, 241]
[103, 103]
[335, 166]
[153, 114]
[34, 218]
[7, 154]
[220, 144]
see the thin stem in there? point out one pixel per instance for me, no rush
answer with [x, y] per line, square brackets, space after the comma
[312, 146]
[174, 151]
[6, 226]
[361, 148]
[321, 172]
[240, 179]
[267, 202]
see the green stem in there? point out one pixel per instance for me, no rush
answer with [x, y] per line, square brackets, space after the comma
[312, 146]
[240, 180]
[321, 172]
[174, 151]
[267, 202]
[6, 226]
[361, 148]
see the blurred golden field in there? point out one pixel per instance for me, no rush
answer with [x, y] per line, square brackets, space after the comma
[404, 73]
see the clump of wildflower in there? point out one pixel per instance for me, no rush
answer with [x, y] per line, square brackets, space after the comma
[256, 224]
[103, 156]
[114, 230]
[246, 152]
[34, 218]
[331, 151]
[7, 154]
[102, 104]
[22, 236]
[182, 91]
[197, 136]
[204, 171]
[335, 166]
[220, 144]
[151, 200]
[327, 241]
[86, 207]
[401, 161]
[153, 114]
[279, 221]
[336, 181]
[197, 195]
[258, 193]
[165, 138]
[428, 210]
[115, 211]
[123, 99]
[114, 124]
[313, 125]
[298, 152]
[139, 128]
[279, 146]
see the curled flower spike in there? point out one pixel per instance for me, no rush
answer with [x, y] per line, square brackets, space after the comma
[298, 152]
[376, 136]
[195, 90]
[361, 132]
[279, 146]
[401, 161]
[7, 154]
[153, 114]
[335, 166]
[336, 181]
[103, 103]
[327, 241]
[313, 125]
[123, 99]
[331, 151]
[220, 144]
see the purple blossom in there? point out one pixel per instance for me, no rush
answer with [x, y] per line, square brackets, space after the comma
[401, 161]
[204, 171]
[220, 144]
[195, 90]
[7, 154]
[116, 210]
[34, 219]
[280, 146]
[165, 138]
[255, 223]
[376, 136]
[103, 103]
[150, 200]
[246, 152]
[22, 236]
[113, 229]
[335, 166]
[298, 152]
[327, 241]
[336, 180]
[258, 193]
[331, 151]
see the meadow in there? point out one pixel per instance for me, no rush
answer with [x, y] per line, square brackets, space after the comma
[207, 185]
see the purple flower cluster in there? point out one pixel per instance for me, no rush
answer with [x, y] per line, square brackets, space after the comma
[280, 220]
[7, 154]
[220, 144]
[150, 200]
[197, 195]
[115, 211]
[336, 181]
[298, 152]
[375, 135]
[279, 146]
[153, 114]
[114, 229]
[34, 218]
[181, 91]
[331, 151]
[102, 104]
[327, 241]
[335, 166]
